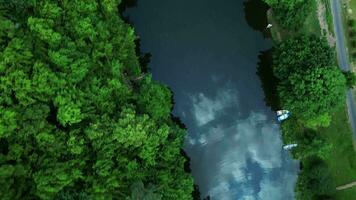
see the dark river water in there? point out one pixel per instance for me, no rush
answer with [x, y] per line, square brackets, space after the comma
[207, 52]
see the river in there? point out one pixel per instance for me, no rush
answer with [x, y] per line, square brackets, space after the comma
[208, 52]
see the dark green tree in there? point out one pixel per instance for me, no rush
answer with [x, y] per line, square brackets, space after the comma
[314, 181]
[139, 191]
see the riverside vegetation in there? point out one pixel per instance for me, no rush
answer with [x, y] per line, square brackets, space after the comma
[80, 119]
[310, 84]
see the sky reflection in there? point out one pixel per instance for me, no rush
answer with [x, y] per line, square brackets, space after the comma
[237, 158]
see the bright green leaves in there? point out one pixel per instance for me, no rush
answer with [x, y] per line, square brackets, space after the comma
[75, 143]
[69, 114]
[85, 29]
[83, 7]
[79, 69]
[60, 58]
[43, 29]
[150, 149]
[22, 86]
[8, 122]
[131, 130]
[50, 10]
[45, 82]
[154, 99]
[110, 6]
[69, 107]
[16, 54]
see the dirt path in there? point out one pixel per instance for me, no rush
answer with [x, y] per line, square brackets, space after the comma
[344, 187]
[324, 25]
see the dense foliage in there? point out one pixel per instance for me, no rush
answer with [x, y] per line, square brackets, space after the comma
[314, 182]
[310, 85]
[76, 121]
[290, 13]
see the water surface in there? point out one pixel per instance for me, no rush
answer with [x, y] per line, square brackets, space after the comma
[208, 54]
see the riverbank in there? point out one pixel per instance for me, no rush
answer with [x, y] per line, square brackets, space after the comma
[341, 161]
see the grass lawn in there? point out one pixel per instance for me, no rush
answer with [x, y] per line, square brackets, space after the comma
[352, 5]
[311, 24]
[342, 160]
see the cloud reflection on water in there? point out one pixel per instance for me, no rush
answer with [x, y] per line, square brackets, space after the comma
[238, 158]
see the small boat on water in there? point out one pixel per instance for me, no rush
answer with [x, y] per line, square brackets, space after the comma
[289, 146]
[282, 115]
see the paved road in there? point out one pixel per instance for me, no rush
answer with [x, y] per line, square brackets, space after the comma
[343, 59]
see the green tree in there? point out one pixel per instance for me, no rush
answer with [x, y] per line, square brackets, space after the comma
[313, 94]
[152, 99]
[309, 85]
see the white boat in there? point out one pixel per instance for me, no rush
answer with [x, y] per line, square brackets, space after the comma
[282, 115]
[289, 146]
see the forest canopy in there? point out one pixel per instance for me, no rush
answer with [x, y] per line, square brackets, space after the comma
[76, 121]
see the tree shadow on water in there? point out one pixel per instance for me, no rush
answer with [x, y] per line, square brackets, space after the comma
[268, 80]
[127, 4]
[256, 16]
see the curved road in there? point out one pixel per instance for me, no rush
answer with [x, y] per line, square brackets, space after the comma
[343, 59]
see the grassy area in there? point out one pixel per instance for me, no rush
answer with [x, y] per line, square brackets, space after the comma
[342, 160]
[329, 16]
[311, 24]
